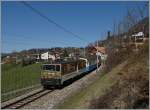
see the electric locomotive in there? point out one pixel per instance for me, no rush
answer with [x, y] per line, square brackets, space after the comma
[55, 74]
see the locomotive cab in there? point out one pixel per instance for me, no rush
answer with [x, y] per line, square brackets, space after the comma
[51, 74]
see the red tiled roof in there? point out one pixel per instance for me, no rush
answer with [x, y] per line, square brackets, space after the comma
[101, 49]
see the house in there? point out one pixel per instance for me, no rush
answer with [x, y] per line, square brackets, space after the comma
[47, 55]
[100, 51]
[71, 55]
[138, 39]
[10, 59]
[44, 56]
[36, 56]
[57, 56]
[53, 57]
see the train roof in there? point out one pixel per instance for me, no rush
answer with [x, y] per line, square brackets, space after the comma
[62, 62]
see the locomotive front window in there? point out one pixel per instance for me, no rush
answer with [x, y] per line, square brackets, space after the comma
[57, 68]
[49, 67]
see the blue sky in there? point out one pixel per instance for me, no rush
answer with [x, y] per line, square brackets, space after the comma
[24, 29]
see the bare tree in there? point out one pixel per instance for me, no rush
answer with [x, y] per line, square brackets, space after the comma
[142, 11]
[131, 17]
[114, 28]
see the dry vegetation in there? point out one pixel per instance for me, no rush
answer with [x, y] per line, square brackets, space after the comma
[132, 90]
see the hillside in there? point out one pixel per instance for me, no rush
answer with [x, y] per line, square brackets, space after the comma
[125, 86]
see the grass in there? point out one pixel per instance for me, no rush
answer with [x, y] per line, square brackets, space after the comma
[15, 77]
[83, 97]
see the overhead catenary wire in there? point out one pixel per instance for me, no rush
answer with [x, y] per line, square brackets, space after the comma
[5, 42]
[22, 43]
[39, 41]
[52, 21]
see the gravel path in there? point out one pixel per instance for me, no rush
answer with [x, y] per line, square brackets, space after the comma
[52, 99]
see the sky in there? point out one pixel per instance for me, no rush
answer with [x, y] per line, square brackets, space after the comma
[22, 28]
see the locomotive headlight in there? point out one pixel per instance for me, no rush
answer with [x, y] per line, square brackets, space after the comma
[42, 75]
[49, 75]
[53, 74]
[57, 74]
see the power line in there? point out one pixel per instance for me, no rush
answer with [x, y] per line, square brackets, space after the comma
[23, 43]
[52, 21]
[39, 41]
[18, 42]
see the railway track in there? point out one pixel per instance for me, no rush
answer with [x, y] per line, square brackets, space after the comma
[20, 103]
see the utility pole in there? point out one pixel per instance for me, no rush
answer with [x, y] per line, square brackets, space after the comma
[97, 55]
[84, 51]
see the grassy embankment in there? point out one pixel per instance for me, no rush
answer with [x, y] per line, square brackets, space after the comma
[120, 88]
[16, 77]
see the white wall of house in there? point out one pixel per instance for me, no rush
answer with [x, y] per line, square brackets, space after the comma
[98, 53]
[139, 34]
[51, 57]
[103, 56]
[46, 56]
[71, 55]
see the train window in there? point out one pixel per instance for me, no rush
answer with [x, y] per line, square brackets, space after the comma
[49, 67]
[57, 67]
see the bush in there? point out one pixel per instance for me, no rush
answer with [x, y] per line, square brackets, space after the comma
[116, 57]
[26, 62]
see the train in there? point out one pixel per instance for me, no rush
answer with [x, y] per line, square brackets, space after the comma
[55, 74]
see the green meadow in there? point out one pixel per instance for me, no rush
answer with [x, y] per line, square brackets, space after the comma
[15, 77]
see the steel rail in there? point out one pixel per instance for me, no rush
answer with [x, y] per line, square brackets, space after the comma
[20, 103]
